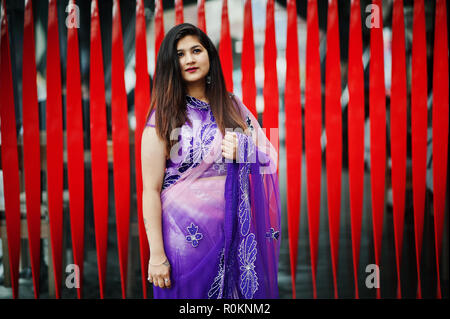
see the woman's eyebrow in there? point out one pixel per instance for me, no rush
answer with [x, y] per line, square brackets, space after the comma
[193, 47]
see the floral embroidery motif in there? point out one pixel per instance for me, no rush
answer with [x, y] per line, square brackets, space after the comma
[247, 256]
[272, 234]
[194, 236]
[216, 290]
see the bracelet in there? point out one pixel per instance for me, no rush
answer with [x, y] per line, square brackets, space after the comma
[165, 263]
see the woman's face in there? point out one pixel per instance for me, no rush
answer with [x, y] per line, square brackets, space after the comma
[193, 58]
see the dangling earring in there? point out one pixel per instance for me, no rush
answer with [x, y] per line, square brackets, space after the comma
[208, 79]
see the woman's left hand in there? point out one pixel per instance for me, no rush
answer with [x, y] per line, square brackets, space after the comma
[229, 145]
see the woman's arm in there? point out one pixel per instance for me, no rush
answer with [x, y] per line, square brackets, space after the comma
[153, 166]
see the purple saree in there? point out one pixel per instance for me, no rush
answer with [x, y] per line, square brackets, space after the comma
[220, 219]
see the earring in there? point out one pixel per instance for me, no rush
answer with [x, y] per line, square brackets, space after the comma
[208, 79]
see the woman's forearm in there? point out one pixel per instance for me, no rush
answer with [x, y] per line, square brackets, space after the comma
[151, 207]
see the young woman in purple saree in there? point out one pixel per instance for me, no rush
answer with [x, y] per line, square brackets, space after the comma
[211, 196]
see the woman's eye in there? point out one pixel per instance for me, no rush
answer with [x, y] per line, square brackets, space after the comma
[197, 50]
[180, 54]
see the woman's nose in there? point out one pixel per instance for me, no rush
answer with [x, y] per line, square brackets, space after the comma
[189, 58]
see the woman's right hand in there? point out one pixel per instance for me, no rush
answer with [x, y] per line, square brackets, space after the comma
[159, 274]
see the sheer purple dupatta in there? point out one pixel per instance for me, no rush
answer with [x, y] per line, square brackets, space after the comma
[252, 217]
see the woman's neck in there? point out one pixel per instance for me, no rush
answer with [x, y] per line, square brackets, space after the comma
[197, 91]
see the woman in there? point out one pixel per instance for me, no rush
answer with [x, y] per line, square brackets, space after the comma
[211, 197]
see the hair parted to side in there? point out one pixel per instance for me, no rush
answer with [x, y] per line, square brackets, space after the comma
[169, 91]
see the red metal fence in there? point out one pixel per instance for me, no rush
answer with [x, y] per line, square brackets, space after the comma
[312, 121]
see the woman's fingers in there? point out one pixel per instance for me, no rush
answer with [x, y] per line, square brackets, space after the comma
[161, 282]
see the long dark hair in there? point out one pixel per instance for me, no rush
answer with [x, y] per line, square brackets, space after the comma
[169, 91]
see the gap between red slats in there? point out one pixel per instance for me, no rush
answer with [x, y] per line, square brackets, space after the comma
[440, 128]
[179, 12]
[10, 159]
[159, 26]
[54, 144]
[313, 132]
[398, 131]
[31, 146]
[121, 149]
[201, 20]
[225, 49]
[75, 149]
[270, 91]
[248, 61]
[99, 151]
[355, 133]
[377, 113]
[142, 102]
[293, 120]
[419, 124]
[333, 126]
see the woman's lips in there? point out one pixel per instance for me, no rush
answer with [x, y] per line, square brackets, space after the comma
[191, 70]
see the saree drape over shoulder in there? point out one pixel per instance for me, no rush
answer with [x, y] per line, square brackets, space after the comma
[220, 218]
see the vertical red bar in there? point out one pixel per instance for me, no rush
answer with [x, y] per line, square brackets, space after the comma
[31, 145]
[99, 151]
[355, 133]
[419, 124]
[75, 147]
[159, 26]
[225, 50]
[293, 115]
[54, 143]
[333, 126]
[270, 91]
[201, 20]
[121, 146]
[248, 61]
[377, 110]
[141, 102]
[10, 159]
[179, 12]
[313, 131]
[398, 130]
[440, 128]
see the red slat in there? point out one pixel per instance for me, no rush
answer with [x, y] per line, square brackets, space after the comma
[419, 124]
[10, 160]
[31, 146]
[179, 12]
[121, 147]
[75, 149]
[201, 20]
[333, 126]
[159, 26]
[398, 130]
[377, 113]
[225, 49]
[440, 128]
[313, 131]
[54, 143]
[142, 102]
[293, 113]
[270, 91]
[248, 61]
[355, 133]
[99, 151]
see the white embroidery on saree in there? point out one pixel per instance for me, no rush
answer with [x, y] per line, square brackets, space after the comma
[248, 281]
[216, 290]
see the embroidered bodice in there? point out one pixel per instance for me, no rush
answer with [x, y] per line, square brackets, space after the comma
[193, 144]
